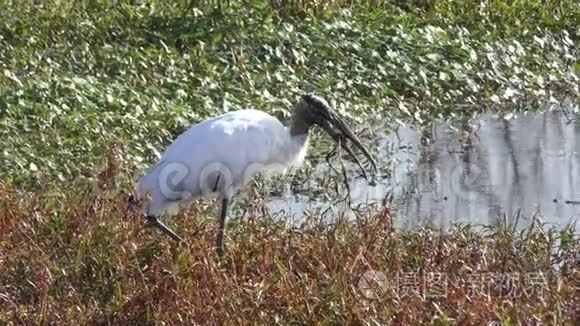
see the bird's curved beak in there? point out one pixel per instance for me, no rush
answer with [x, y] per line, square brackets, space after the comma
[341, 134]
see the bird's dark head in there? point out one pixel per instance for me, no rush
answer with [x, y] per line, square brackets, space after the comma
[314, 110]
[310, 110]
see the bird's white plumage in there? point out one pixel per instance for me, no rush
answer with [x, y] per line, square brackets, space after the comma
[219, 155]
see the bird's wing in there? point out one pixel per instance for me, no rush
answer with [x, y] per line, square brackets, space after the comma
[235, 145]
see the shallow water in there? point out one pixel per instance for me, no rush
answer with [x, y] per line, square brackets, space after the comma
[475, 172]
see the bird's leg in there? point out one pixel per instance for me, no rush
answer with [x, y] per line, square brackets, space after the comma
[154, 221]
[221, 231]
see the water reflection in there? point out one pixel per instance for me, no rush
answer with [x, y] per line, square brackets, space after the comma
[473, 173]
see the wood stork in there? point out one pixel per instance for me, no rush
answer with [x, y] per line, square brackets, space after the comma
[221, 154]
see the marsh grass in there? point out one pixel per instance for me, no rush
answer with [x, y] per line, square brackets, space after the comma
[79, 256]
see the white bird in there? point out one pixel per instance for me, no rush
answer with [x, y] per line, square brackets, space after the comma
[221, 154]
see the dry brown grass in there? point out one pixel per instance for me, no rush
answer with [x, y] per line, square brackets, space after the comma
[79, 257]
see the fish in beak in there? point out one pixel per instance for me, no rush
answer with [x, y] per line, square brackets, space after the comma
[325, 117]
